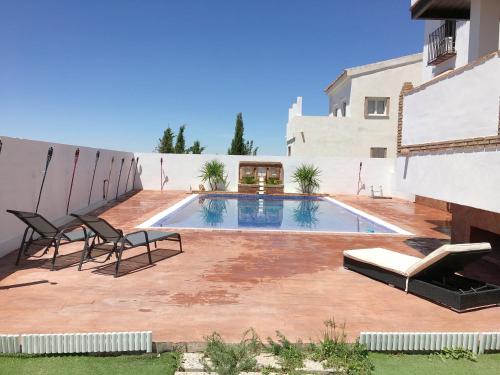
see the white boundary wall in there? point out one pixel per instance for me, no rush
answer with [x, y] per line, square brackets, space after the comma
[466, 178]
[22, 163]
[339, 175]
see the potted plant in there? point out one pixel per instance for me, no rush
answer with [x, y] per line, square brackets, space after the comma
[248, 180]
[213, 171]
[307, 177]
[273, 181]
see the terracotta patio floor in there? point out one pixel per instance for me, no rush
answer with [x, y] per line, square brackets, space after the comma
[230, 281]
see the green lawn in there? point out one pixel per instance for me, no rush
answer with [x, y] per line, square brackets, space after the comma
[388, 364]
[165, 364]
[149, 364]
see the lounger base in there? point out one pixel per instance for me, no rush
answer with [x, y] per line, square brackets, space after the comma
[456, 292]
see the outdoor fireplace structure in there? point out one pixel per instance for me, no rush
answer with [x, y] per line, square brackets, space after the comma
[474, 225]
[260, 177]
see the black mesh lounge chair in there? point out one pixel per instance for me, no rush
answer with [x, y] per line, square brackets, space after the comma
[121, 241]
[48, 233]
[433, 277]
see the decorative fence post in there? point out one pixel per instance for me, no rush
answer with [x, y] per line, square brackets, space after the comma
[50, 152]
[77, 155]
[98, 153]
[135, 172]
[119, 177]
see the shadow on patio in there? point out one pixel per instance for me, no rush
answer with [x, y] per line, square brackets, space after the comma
[136, 263]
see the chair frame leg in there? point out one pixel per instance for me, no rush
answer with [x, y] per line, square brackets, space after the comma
[23, 244]
[87, 249]
[149, 253]
[120, 251]
[56, 251]
[112, 251]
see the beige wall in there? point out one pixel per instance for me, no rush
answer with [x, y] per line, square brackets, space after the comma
[335, 136]
[354, 135]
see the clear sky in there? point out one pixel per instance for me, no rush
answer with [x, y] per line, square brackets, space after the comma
[114, 74]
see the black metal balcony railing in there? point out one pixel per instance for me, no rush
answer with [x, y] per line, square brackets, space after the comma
[442, 43]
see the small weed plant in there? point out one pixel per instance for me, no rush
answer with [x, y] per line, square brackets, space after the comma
[290, 356]
[456, 354]
[227, 359]
[333, 351]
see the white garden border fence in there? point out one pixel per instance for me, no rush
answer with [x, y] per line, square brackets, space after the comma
[102, 342]
[114, 342]
[430, 341]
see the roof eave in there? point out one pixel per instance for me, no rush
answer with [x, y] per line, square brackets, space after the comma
[336, 81]
[430, 10]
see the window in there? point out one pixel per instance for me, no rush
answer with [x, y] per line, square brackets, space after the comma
[378, 152]
[344, 108]
[335, 112]
[376, 107]
[289, 150]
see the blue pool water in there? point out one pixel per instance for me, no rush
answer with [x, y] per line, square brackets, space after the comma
[268, 213]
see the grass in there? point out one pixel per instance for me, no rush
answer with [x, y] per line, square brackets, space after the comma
[416, 364]
[150, 364]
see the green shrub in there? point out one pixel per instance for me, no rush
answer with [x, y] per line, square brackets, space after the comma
[307, 177]
[273, 181]
[227, 359]
[248, 180]
[290, 355]
[335, 352]
[456, 353]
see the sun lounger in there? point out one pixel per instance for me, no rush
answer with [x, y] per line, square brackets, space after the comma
[433, 277]
[48, 233]
[121, 241]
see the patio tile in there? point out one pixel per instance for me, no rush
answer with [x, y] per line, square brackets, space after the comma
[231, 281]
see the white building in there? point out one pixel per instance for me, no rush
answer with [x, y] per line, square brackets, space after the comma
[450, 134]
[363, 112]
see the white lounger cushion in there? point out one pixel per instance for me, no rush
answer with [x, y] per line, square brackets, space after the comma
[407, 265]
[383, 258]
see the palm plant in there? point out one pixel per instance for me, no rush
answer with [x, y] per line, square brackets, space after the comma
[213, 171]
[307, 177]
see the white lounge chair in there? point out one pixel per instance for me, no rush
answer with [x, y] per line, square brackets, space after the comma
[433, 277]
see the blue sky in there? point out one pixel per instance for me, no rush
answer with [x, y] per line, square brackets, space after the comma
[114, 74]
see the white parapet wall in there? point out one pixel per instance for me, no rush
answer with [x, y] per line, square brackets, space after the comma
[22, 165]
[460, 105]
[339, 175]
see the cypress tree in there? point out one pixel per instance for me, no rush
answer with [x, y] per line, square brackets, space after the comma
[180, 144]
[166, 143]
[238, 143]
[196, 148]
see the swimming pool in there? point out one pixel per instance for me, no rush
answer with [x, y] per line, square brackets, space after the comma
[268, 212]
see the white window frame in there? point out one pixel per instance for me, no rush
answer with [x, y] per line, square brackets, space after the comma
[377, 99]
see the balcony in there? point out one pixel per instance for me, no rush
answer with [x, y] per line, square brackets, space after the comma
[442, 43]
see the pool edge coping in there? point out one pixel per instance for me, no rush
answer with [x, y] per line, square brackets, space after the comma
[397, 230]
